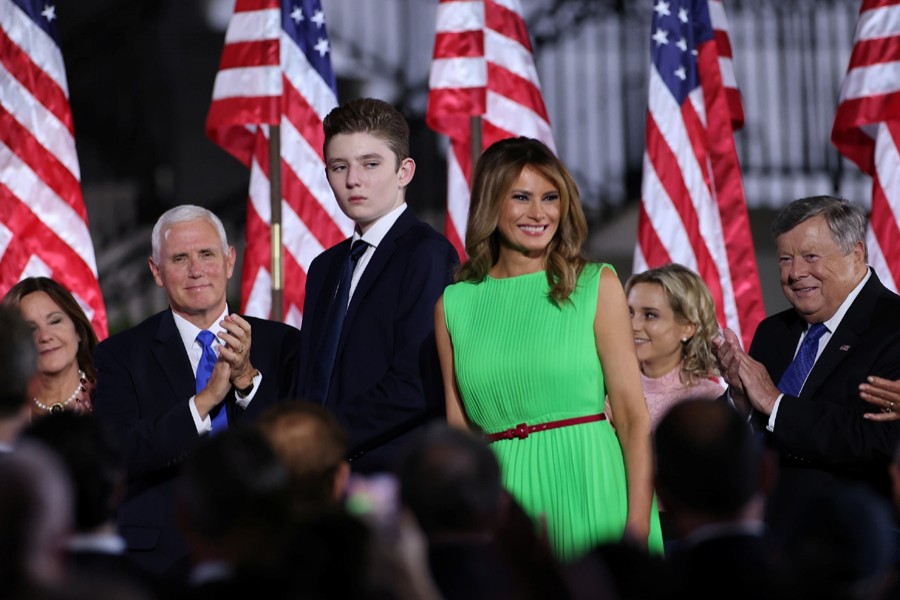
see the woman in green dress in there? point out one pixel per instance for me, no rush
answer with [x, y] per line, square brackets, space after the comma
[531, 338]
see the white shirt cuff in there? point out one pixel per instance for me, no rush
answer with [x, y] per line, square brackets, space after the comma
[243, 401]
[202, 425]
[771, 424]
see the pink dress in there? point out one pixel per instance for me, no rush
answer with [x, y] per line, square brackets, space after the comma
[662, 393]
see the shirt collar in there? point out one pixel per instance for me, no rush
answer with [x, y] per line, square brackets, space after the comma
[188, 331]
[833, 323]
[379, 228]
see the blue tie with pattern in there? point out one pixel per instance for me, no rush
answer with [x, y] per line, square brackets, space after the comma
[792, 381]
[204, 371]
[324, 366]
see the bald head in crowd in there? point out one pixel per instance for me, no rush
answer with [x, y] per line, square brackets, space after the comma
[311, 443]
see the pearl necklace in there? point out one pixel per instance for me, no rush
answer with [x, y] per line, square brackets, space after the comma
[60, 406]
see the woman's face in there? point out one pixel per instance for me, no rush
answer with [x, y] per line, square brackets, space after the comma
[54, 333]
[529, 215]
[657, 335]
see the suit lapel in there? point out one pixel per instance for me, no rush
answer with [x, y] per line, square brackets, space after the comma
[170, 354]
[856, 321]
[317, 319]
[784, 352]
[380, 259]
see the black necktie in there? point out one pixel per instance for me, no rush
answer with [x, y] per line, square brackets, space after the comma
[320, 378]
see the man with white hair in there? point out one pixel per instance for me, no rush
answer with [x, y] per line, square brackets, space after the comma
[185, 373]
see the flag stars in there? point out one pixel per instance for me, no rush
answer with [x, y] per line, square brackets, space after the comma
[661, 37]
[49, 12]
[297, 15]
[682, 44]
[322, 47]
[318, 18]
[680, 73]
[662, 8]
[683, 15]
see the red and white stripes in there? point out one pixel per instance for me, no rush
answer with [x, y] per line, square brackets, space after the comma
[483, 66]
[867, 127]
[43, 221]
[692, 200]
[266, 78]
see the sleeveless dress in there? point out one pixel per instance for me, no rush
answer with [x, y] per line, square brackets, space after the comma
[519, 358]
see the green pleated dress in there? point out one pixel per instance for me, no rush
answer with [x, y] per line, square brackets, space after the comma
[521, 359]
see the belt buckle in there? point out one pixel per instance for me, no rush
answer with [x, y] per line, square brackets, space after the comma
[520, 431]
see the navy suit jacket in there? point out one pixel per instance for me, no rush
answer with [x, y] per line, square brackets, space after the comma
[386, 380]
[144, 382]
[822, 435]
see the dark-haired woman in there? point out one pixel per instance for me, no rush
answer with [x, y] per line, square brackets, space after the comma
[65, 341]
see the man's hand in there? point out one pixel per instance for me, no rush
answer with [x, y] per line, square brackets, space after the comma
[747, 379]
[760, 389]
[727, 349]
[236, 349]
[216, 389]
[884, 394]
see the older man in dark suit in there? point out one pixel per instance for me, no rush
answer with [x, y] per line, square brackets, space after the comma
[182, 374]
[801, 378]
[367, 342]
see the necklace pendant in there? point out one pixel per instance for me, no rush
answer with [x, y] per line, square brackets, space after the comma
[56, 408]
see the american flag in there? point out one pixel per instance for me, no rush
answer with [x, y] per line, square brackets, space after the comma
[276, 70]
[483, 66]
[867, 127]
[692, 198]
[43, 220]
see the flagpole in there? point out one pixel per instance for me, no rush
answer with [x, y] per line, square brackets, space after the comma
[475, 147]
[275, 202]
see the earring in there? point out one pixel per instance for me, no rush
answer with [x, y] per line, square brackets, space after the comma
[684, 340]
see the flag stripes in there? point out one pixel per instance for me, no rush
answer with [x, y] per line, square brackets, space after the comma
[692, 202]
[275, 70]
[482, 66]
[43, 219]
[867, 127]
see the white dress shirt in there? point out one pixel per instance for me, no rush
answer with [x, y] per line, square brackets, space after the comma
[373, 237]
[188, 332]
[831, 326]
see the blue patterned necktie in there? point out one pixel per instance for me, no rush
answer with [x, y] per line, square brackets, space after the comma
[321, 374]
[204, 371]
[792, 381]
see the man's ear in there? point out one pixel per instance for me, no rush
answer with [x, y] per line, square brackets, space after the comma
[341, 477]
[154, 268]
[406, 171]
[230, 259]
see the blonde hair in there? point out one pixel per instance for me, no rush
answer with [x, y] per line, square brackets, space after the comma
[495, 174]
[690, 300]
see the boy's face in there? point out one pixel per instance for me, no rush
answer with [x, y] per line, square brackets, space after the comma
[363, 174]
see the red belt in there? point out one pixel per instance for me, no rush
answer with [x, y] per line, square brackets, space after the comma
[522, 430]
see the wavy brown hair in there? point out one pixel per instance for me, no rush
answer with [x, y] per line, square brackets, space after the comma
[64, 299]
[690, 300]
[495, 174]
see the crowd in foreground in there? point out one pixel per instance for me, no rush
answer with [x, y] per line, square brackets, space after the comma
[592, 451]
